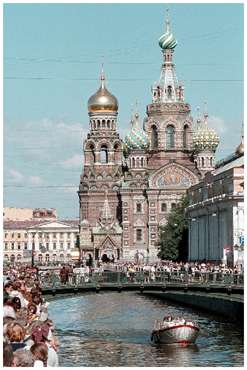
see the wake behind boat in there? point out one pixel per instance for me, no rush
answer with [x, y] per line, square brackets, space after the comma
[175, 330]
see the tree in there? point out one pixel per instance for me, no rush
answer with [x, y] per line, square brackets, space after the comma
[173, 237]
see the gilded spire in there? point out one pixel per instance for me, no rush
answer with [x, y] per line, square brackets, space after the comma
[102, 76]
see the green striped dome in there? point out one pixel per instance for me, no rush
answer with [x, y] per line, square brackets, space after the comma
[137, 137]
[167, 41]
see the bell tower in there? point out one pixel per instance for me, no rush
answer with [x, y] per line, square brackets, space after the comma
[103, 150]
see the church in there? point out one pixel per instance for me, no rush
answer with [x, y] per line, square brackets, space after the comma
[128, 186]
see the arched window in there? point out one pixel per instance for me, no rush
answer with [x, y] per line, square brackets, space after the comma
[203, 162]
[133, 162]
[170, 137]
[185, 136]
[103, 123]
[169, 92]
[142, 162]
[92, 153]
[211, 162]
[117, 153]
[108, 123]
[104, 154]
[98, 123]
[154, 137]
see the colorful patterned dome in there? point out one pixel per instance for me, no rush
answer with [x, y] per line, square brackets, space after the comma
[167, 41]
[137, 137]
[205, 138]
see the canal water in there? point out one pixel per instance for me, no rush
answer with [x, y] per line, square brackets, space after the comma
[113, 329]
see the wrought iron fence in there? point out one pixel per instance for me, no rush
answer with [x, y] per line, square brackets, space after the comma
[53, 279]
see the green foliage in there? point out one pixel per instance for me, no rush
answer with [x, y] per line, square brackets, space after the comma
[172, 236]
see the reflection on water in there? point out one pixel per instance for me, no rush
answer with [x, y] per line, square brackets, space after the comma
[113, 329]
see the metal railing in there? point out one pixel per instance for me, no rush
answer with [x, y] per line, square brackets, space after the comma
[54, 280]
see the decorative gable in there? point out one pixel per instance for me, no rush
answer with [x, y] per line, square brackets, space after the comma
[172, 176]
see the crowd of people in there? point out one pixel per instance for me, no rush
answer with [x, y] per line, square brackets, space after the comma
[143, 272]
[28, 333]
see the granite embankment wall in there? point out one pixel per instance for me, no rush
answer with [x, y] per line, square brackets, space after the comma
[230, 307]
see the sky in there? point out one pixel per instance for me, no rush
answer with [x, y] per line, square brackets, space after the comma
[52, 62]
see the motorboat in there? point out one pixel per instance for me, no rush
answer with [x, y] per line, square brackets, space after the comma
[175, 330]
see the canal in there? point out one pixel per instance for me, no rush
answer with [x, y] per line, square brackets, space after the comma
[113, 329]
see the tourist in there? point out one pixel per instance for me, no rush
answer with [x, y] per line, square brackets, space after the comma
[23, 358]
[40, 354]
[8, 355]
[16, 334]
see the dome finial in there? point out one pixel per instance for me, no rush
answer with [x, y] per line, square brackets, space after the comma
[198, 119]
[102, 74]
[205, 114]
[167, 20]
[136, 109]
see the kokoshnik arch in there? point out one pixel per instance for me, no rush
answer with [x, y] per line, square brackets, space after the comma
[128, 187]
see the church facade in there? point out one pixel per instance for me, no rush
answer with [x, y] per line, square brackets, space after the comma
[128, 187]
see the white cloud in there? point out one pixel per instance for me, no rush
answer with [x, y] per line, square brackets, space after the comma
[218, 124]
[74, 161]
[16, 176]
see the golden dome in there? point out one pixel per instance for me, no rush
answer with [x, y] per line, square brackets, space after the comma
[102, 100]
[240, 148]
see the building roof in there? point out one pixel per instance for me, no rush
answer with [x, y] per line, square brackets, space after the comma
[228, 164]
[20, 225]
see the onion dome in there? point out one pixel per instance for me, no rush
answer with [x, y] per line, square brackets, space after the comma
[167, 41]
[102, 100]
[137, 137]
[240, 148]
[204, 137]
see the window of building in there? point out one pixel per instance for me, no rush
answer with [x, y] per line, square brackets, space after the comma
[47, 245]
[18, 246]
[6, 246]
[170, 137]
[138, 207]
[138, 235]
[13, 235]
[169, 92]
[173, 205]
[68, 235]
[154, 137]
[61, 235]
[6, 235]
[25, 235]
[54, 245]
[47, 258]
[25, 246]
[33, 245]
[61, 245]
[104, 154]
[185, 136]
[203, 162]
[18, 235]
[12, 246]
[18, 257]
[40, 257]
[163, 207]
